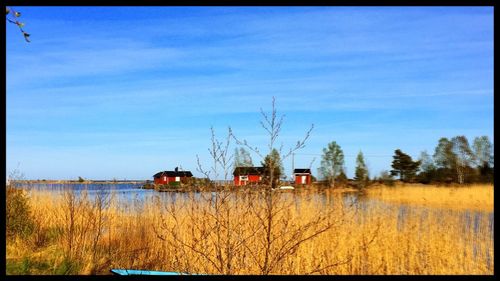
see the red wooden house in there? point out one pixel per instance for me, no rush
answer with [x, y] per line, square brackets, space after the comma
[247, 175]
[302, 176]
[167, 177]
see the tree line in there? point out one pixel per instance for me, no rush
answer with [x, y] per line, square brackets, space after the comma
[453, 161]
[456, 161]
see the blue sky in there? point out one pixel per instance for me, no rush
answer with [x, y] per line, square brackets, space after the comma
[125, 92]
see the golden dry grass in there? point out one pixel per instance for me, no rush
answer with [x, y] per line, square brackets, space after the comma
[472, 197]
[228, 237]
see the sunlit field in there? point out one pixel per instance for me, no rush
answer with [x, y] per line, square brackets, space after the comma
[389, 230]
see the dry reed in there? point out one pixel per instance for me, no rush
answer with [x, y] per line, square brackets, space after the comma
[225, 233]
[472, 197]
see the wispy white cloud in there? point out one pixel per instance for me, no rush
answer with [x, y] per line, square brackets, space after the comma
[287, 37]
[84, 62]
[140, 81]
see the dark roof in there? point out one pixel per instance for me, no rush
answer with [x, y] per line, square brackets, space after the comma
[173, 174]
[302, 171]
[248, 171]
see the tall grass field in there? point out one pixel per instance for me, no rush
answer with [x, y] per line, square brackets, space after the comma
[403, 230]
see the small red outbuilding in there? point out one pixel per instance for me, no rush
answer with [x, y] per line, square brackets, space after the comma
[247, 175]
[167, 177]
[302, 176]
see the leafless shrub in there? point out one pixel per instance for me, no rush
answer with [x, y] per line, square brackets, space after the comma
[241, 231]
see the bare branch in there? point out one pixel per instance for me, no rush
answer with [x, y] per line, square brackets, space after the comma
[16, 22]
[312, 161]
[200, 169]
[245, 144]
[300, 144]
[331, 265]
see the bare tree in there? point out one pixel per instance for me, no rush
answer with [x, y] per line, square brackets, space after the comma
[271, 123]
[219, 152]
[213, 228]
[215, 236]
[277, 246]
[101, 202]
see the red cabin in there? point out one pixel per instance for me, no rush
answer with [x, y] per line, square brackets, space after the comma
[247, 175]
[302, 176]
[167, 177]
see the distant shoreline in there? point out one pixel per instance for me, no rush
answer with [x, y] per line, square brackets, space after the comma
[79, 182]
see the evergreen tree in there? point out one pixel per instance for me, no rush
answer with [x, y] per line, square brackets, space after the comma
[404, 166]
[341, 179]
[361, 173]
[273, 168]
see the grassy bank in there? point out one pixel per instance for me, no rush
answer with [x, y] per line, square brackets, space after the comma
[253, 233]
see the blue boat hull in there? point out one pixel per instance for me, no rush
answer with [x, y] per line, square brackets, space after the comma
[145, 272]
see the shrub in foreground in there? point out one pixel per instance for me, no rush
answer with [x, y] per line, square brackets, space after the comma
[18, 214]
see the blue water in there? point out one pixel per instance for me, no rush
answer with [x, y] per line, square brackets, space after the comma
[79, 186]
